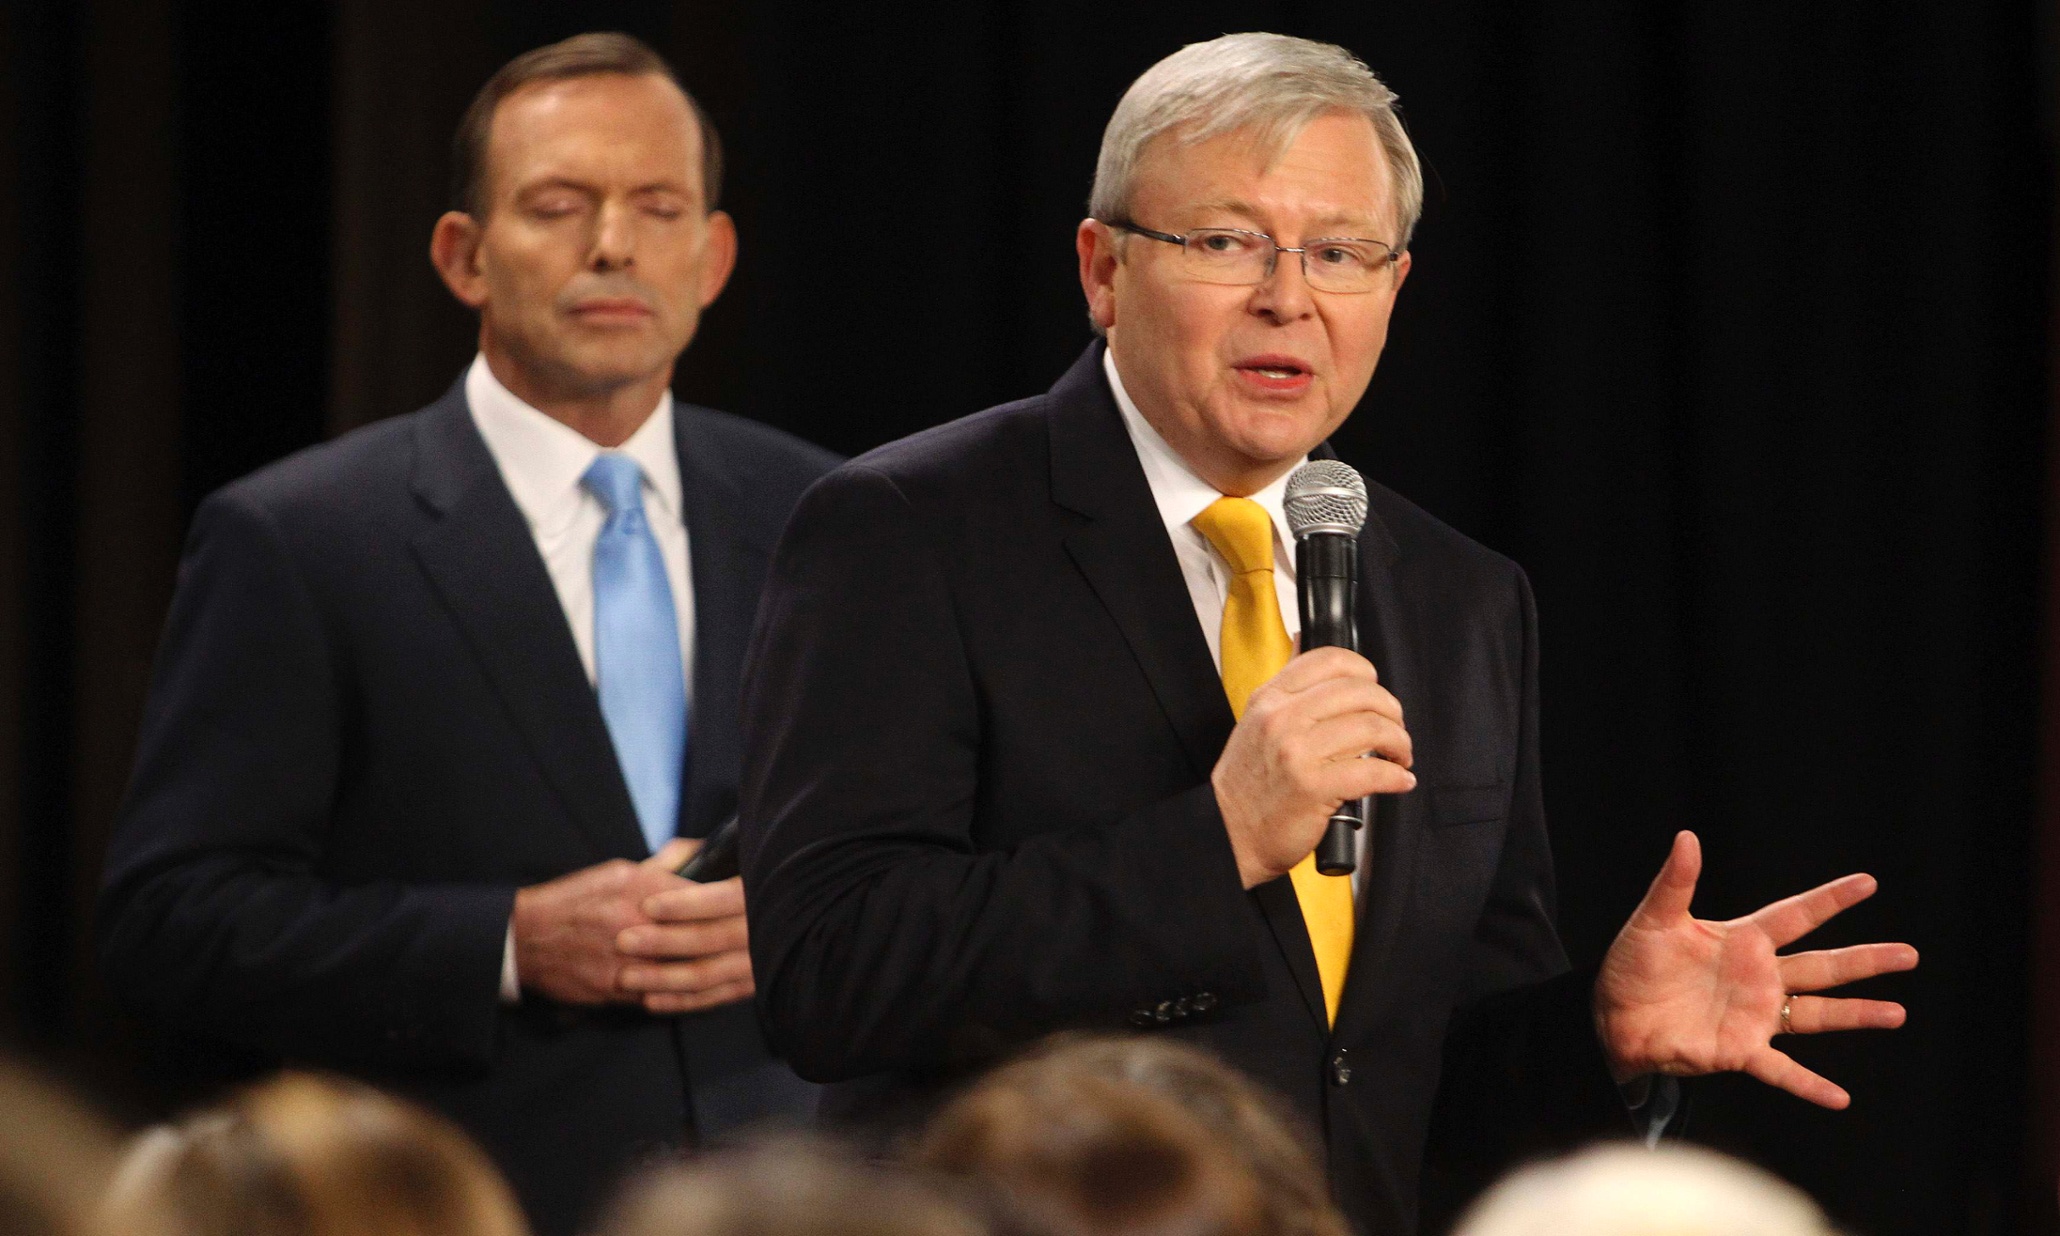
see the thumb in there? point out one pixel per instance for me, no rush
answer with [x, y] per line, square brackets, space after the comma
[673, 853]
[1673, 889]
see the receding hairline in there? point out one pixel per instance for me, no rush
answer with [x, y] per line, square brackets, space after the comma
[1384, 213]
[696, 126]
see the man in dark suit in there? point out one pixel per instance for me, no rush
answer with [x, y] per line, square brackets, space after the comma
[438, 701]
[1027, 746]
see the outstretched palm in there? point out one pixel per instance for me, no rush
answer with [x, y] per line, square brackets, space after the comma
[1687, 996]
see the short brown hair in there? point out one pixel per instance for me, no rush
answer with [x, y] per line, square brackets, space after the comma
[582, 55]
[1252, 1122]
[1059, 1151]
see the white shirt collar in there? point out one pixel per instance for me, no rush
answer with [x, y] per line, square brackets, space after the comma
[1180, 494]
[543, 459]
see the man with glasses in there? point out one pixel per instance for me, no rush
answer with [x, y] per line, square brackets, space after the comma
[1028, 746]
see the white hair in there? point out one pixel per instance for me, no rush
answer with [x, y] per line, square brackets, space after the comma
[1270, 84]
[1625, 1190]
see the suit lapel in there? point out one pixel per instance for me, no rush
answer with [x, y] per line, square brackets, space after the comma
[729, 564]
[1123, 550]
[1388, 637]
[482, 560]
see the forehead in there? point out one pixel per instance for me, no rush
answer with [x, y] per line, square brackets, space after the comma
[602, 129]
[1333, 170]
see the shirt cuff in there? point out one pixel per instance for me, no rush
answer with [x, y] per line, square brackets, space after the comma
[511, 987]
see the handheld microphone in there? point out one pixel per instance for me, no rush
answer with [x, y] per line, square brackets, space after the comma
[1326, 507]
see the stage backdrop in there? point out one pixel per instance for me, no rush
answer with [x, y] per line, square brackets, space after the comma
[1727, 322]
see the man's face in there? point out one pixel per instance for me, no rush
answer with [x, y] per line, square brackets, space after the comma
[1242, 381]
[596, 252]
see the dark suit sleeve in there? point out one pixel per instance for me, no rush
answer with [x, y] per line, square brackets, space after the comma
[883, 935]
[1524, 1072]
[215, 915]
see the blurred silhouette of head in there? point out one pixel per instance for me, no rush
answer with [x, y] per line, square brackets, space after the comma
[55, 1160]
[787, 1187]
[585, 231]
[309, 1156]
[1056, 1149]
[1624, 1190]
[1245, 1118]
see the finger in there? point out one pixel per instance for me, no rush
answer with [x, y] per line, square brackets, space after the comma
[1820, 1015]
[1673, 889]
[1307, 669]
[1349, 737]
[685, 976]
[689, 901]
[1343, 780]
[673, 853]
[1814, 971]
[1792, 918]
[714, 997]
[1776, 1069]
[1335, 697]
[685, 942]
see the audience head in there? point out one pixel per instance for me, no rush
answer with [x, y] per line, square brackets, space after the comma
[55, 1161]
[1058, 1148]
[1245, 1118]
[307, 1156]
[1624, 1190]
[788, 1187]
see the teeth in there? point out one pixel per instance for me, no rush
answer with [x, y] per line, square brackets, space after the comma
[1279, 373]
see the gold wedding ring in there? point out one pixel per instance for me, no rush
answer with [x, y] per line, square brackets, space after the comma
[1785, 1003]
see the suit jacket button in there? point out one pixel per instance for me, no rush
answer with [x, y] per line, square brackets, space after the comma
[1181, 1008]
[1340, 1070]
[1141, 1017]
[1163, 1013]
[1203, 1001]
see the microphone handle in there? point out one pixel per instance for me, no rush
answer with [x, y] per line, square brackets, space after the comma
[1327, 590]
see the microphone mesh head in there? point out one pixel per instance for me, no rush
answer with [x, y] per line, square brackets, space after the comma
[1325, 495]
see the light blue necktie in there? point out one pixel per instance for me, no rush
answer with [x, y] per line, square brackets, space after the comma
[637, 650]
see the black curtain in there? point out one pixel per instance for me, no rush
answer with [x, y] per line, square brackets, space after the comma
[1728, 322]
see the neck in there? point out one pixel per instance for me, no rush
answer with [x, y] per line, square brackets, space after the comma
[606, 415]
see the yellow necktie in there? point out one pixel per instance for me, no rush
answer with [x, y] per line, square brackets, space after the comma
[1255, 647]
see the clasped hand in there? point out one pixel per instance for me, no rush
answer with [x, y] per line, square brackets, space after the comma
[635, 933]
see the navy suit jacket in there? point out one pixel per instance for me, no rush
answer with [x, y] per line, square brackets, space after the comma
[980, 719]
[368, 726]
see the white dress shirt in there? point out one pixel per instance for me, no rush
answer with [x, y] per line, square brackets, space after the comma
[542, 461]
[1181, 495]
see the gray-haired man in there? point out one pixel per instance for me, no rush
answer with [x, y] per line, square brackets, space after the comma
[1089, 758]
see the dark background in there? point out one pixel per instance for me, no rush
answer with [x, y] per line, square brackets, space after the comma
[1729, 322]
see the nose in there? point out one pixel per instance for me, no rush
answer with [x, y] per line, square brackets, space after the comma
[614, 238]
[1284, 295]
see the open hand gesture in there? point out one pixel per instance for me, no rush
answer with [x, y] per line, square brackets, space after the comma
[1686, 996]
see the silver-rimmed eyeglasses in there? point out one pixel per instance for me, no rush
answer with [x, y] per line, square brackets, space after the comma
[1232, 255]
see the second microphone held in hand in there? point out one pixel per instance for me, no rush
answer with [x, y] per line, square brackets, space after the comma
[1326, 507]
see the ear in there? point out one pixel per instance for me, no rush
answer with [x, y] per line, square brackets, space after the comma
[720, 256]
[1095, 242]
[454, 251]
[1401, 270]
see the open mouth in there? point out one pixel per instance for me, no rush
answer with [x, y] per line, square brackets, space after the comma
[1276, 373]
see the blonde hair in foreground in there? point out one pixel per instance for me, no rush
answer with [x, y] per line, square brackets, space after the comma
[1627, 1190]
[309, 1156]
[55, 1160]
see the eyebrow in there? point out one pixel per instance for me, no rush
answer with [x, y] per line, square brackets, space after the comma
[581, 186]
[1235, 206]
